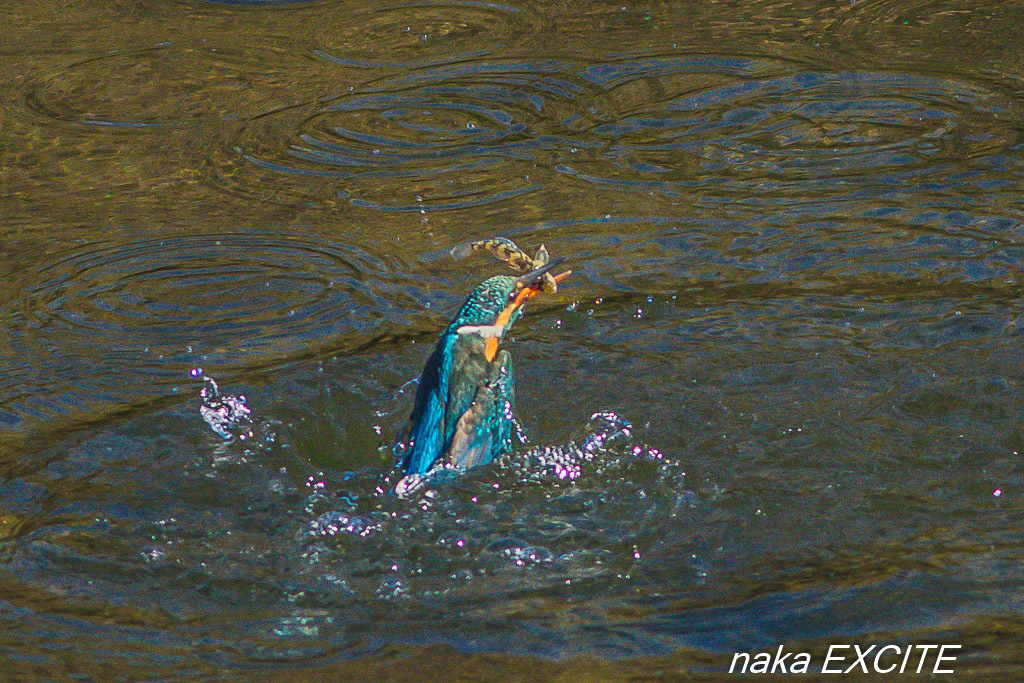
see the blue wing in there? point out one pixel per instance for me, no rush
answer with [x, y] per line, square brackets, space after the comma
[426, 431]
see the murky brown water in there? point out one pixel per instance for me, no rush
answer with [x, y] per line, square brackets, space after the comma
[797, 231]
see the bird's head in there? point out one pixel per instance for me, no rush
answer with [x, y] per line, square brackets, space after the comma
[497, 302]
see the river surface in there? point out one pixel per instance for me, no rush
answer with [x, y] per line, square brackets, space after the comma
[784, 383]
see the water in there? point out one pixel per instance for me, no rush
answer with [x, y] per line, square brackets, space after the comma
[776, 403]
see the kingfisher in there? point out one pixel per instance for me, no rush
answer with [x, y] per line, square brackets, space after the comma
[465, 401]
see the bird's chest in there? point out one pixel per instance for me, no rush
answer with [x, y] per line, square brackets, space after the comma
[469, 365]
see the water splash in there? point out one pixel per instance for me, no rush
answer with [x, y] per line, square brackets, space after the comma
[606, 431]
[230, 417]
[608, 438]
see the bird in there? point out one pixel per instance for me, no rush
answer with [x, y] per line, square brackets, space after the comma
[465, 401]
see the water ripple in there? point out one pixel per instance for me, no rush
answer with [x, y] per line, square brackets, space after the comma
[904, 31]
[422, 33]
[168, 84]
[143, 309]
[429, 141]
[471, 133]
[683, 130]
[223, 288]
[255, 3]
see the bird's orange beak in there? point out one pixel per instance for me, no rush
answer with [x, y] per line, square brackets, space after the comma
[527, 292]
